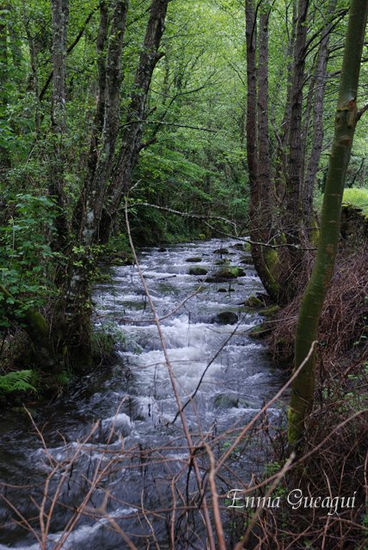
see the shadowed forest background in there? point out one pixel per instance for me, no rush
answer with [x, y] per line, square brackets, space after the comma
[128, 128]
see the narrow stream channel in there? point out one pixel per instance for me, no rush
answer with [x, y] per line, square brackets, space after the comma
[132, 400]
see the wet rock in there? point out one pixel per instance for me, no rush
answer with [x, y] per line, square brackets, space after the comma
[225, 401]
[225, 273]
[238, 246]
[194, 260]
[223, 261]
[246, 260]
[162, 249]
[111, 429]
[226, 318]
[254, 302]
[197, 271]
[222, 289]
[221, 251]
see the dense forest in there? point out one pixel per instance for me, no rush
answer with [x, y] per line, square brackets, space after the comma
[184, 288]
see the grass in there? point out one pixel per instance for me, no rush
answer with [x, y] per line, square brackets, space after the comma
[358, 198]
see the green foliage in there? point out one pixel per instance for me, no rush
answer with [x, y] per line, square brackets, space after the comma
[18, 381]
[357, 197]
[25, 254]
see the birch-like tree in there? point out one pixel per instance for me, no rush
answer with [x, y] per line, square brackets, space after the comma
[347, 116]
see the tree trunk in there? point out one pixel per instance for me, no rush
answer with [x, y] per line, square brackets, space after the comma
[103, 148]
[317, 142]
[311, 307]
[60, 15]
[294, 181]
[76, 323]
[134, 124]
[258, 156]
[4, 153]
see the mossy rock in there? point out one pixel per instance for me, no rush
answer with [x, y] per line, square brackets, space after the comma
[223, 261]
[225, 273]
[119, 261]
[198, 271]
[247, 260]
[238, 246]
[221, 251]
[226, 318]
[254, 302]
[194, 260]
[259, 332]
[225, 401]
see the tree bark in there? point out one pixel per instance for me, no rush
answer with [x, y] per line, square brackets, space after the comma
[4, 153]
[258, 155]
[60, 15]
[76, 323]
[106, 126]
[134, 124]
[311, 307]
[320, 77]
[292, 215]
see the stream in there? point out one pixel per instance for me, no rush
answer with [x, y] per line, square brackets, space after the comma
[114, 431]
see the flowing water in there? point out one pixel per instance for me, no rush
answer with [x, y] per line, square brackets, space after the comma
[115, 432]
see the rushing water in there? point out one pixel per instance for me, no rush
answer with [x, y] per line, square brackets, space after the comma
[135, 440]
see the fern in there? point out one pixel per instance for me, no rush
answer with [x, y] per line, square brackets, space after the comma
[18, 381]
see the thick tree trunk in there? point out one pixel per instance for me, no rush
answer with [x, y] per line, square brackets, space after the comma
[100, 166]
[311, 307]
[134, 124]
[76, 325]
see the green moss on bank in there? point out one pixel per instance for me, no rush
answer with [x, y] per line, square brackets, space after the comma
[357, 198]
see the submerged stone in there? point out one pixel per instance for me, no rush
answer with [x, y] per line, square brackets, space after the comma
[226, 318]
[221, 251]
[247, 260]
[194, 260]
[225, 401]
[197, 271]
[254, 302]
[222, 289]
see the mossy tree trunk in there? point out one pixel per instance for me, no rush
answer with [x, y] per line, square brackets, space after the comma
[311, 307]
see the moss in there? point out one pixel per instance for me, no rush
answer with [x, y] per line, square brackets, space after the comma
[225, 273]
[259, 332]
[271, 257]
[357, 198]
[197, 271]
[270, 311]
[293, 427]
[194, 259]
[254, 302]
[272, 262]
